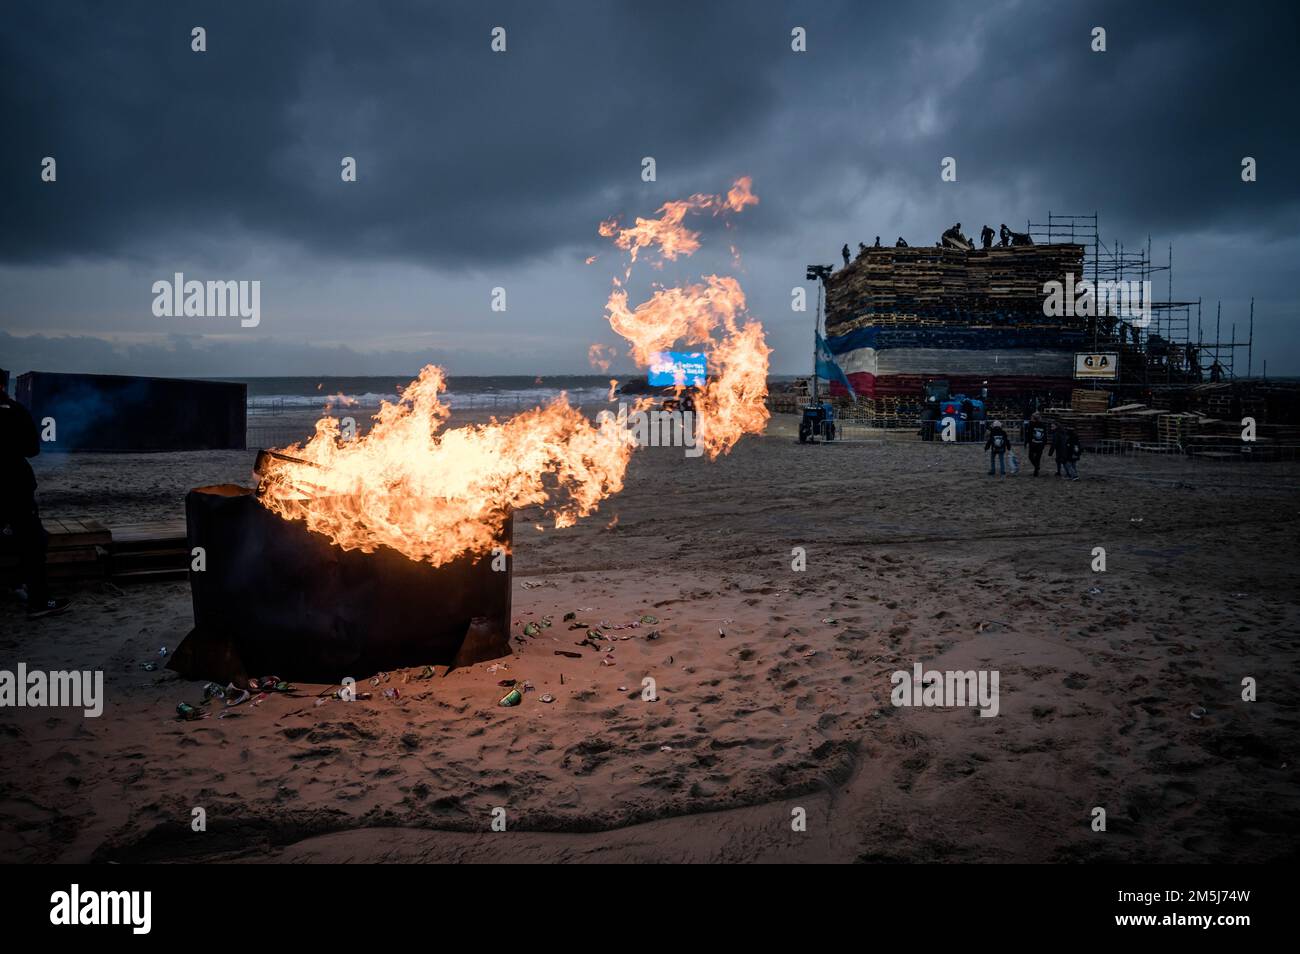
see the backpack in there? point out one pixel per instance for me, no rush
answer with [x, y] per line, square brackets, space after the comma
[1038, 435]
[998, 441]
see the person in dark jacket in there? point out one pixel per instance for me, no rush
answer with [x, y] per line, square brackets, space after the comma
[997, 444]
[1036, 440]
[1058, 447]
[1067, 450]
[20, 521]
[1073, 451]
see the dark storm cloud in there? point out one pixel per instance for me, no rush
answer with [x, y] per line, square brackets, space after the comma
[464, 155]
[468, 157]
[475, 164]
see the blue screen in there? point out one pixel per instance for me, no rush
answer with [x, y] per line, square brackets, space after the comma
[689, 368]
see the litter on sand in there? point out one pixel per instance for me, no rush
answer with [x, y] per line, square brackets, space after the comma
[512, 698]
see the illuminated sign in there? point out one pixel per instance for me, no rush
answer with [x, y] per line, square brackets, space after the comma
[678, 367]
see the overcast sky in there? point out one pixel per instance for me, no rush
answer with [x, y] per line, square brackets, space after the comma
[479, 169]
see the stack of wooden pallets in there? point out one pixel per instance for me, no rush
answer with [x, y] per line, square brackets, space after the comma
[1176, 428]
[1133, 423]
[1085, 401]
[930, 285]
[1091, 428]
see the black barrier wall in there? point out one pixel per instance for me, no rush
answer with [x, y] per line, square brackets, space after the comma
[113, 412]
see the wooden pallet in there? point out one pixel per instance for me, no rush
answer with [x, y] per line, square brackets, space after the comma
[1089, 402]
[155, 550]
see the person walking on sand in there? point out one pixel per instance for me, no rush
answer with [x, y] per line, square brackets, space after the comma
[997, 444]
[20, 521]
[1036, 440]
[1073, 451]
[1058, 447]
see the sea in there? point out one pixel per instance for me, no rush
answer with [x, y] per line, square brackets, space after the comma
[504, 391]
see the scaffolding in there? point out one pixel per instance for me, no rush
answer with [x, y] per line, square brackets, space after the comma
[1162, 351]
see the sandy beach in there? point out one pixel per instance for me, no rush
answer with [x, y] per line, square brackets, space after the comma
[773, 685]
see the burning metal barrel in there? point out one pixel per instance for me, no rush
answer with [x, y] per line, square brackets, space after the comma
[276, 598]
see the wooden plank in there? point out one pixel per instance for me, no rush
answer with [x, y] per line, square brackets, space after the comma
[75, 555]
[153, 531]
[68, 533]
[149, 576]
[178, 559]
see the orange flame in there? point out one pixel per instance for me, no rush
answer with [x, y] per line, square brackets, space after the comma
[668, 232]
[732, 402]
[600, 356]
[434, 496]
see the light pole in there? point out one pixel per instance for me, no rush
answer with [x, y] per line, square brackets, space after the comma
[819, 274]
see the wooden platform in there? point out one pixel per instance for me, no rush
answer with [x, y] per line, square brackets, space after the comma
[86, 549]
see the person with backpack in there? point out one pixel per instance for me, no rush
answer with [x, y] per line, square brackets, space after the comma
[997, 443]
[1036, 440]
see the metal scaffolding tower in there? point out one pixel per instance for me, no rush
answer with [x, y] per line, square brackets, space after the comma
[1163, 351]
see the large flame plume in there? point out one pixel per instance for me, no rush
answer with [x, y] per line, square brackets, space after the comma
[434, 495]
[732, 401]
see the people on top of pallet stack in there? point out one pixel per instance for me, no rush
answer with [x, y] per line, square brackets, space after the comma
[845, 252]
[901, 243]
[986, 237]
[1009, 237]
[953, 238]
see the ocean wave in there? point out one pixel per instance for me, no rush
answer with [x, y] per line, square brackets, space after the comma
[514, 398]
